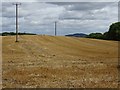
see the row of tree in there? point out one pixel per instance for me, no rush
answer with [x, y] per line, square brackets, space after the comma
[12, 33]
[112, 34]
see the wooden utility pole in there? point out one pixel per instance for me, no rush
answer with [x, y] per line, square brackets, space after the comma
[55, 28]
[16, 4]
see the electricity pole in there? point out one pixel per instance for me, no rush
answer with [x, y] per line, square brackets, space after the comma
[16, 4]
[55, 28]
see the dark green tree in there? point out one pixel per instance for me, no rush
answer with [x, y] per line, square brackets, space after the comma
[114, 31]
[95, 35]
[112, 34]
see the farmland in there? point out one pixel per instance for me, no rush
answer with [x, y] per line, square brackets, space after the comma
[57, 61]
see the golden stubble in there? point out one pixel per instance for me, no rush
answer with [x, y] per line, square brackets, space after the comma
[55, 62]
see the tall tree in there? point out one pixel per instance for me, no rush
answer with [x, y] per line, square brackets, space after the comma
[114, 31]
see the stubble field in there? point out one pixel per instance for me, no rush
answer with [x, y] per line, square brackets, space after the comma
[40, 61]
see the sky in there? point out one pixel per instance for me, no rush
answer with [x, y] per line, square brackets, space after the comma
[71, 17]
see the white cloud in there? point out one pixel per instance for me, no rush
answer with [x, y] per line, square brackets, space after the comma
[78, 0]
[19, 0]
[40, 17]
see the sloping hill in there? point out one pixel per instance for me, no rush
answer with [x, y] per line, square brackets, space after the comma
[48, 61]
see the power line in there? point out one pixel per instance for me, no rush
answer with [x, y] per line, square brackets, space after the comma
[17, 4]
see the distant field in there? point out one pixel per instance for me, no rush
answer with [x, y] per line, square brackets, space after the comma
[54, 62]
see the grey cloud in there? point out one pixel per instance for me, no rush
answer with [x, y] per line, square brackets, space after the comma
[90, 11]
[85, 6]
[81, 6]
[72, 17]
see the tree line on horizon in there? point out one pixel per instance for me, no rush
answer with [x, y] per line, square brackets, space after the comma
[13, 33]
[112, 34]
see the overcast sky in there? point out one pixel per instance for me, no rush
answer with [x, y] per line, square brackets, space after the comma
[71, 17]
